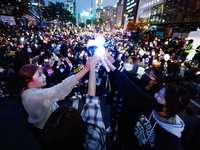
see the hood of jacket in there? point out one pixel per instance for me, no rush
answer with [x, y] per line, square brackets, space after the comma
[174, 125]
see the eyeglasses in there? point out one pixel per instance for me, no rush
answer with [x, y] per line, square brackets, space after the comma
[150, 74]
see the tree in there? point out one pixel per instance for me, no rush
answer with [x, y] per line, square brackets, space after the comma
[56, 11]
[132, 25]
[97, 21]
[142, 24]
[88, 21]
[82, 25]
[15, 8]
[189, 10]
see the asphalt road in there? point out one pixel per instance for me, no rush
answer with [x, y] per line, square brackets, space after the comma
[14, 135]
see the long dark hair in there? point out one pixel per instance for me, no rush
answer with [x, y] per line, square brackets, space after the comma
[65, 129]
[177, 98]
[135, 63]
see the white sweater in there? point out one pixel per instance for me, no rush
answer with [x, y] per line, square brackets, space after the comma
[40, 103]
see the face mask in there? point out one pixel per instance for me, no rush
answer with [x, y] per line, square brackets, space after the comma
[1, 70]
[29, 50]
[46, 60]
[62, 70]
[145, 79]
[128, 67]
[42, 53]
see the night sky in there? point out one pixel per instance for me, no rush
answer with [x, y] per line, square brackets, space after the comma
[84, 5]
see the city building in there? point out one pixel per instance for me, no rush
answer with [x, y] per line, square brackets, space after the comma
[80, 18]
[121, 11]
[131, 8]
[169, 24]
[41, 2]
[145, 7]
[71, 6]
[109, 15]
[98, 8]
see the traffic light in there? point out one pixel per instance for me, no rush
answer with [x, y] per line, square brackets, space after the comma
[91, 15]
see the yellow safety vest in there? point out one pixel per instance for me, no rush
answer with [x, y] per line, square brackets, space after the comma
[188, 51]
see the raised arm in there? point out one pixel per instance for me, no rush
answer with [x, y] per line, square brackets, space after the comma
[92, 78]
[130, 91]
[80, 74]
[92, 115]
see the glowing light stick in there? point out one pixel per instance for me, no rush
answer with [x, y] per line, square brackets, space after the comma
[100, 51]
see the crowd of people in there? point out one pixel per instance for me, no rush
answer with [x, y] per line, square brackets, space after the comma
[147, 86]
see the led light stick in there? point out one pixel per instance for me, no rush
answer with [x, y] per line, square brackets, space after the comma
[99, 50]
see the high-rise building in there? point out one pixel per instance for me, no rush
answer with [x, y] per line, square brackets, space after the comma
[98, 8]
[71, 6]
[121, 11]
[80, 18]
[131, 8]
[42, 2]
[170, 20]
[145, 7]
[165, 12]
[108, 15]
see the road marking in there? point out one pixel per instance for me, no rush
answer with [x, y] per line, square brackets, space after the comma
[75, 104]
[195, 103]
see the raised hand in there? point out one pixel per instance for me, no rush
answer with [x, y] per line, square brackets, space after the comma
[110, 65]
[87, 65]
[93, 61]
[109, 57]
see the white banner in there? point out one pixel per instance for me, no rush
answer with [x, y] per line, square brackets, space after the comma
[28, 17]
[8, 19]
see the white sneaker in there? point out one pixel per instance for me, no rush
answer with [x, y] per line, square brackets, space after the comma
[109, 130]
